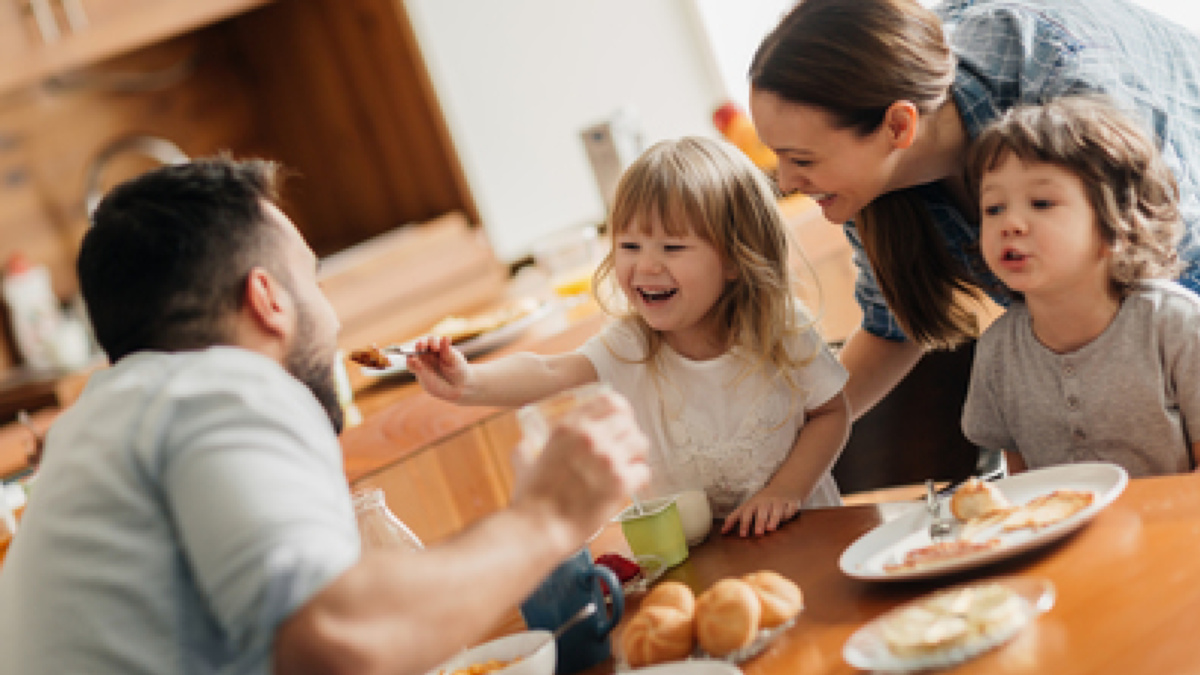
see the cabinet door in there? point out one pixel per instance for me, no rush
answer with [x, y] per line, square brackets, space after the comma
[41, 38]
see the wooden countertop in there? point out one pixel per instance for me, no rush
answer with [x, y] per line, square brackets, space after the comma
[400, 418]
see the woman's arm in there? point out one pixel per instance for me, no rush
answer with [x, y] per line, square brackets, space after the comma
[876, 366]
[817, 447]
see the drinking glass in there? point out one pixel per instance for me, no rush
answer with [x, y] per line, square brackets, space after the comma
[378, 527]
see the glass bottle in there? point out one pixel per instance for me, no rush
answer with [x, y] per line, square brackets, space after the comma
[378, 527]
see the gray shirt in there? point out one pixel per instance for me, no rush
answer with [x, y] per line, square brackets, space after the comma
[1131, 396]
[188, 504]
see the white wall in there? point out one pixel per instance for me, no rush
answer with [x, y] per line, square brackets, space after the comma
[734, 31]
[518, 80]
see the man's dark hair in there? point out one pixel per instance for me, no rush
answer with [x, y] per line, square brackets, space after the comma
[165, 263]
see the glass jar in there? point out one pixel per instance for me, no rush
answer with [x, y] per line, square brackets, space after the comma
[378, 527]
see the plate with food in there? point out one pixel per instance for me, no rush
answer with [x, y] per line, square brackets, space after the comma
[950, 626]
[733, 621]
[472, 335]
[992, 522]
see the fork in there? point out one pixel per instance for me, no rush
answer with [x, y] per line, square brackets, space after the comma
[939, 527]
[402, 350]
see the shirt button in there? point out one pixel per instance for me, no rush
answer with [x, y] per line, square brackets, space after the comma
[1073, 403]
[1069, 370]
[1079, 435]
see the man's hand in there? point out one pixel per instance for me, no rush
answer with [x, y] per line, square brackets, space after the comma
[595, 458]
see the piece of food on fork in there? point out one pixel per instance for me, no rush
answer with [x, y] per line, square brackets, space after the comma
[371, 357]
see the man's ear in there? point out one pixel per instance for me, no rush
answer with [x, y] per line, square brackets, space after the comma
[900, 121]
[268, 304]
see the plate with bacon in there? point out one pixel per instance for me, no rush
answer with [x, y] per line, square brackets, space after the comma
[472, 335]
[992, 522]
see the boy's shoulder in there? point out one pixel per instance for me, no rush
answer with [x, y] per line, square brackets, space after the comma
[1158, 296]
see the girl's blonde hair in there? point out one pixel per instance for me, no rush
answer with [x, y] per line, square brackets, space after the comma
[854, 59]
[710, 189]
[1129, 186]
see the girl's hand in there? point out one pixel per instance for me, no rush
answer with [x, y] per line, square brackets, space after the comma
[763, 512]
[441, 369]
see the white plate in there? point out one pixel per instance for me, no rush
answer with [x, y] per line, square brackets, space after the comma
[887, 543]
[477, 345]
[764, 639]
[867, 649]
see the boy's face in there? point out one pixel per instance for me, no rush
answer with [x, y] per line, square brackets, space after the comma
[1039, 233]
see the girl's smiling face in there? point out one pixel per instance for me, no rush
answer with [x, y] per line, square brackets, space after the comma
[841, 169]
[673, 281]
[1039, 233]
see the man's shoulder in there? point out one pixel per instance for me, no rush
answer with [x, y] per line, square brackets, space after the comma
[221, 367]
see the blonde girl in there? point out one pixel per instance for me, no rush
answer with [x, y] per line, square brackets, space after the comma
[1098, 355]
[737, 392]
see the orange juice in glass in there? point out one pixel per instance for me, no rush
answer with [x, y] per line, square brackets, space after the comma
[569, 258]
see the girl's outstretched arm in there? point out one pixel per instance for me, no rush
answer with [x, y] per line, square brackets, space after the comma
[817, 447]
[511, 380]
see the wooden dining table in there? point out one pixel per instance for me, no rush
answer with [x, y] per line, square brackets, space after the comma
[1127, 588]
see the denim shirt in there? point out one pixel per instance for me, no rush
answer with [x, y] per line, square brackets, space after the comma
[1014, 52]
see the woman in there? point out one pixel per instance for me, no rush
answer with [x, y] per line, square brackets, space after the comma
[872, 105]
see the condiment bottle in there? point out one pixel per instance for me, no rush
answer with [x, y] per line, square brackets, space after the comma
[378, 527]
[34, 309]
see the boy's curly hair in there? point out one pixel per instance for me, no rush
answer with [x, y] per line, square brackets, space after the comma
[1131, 190]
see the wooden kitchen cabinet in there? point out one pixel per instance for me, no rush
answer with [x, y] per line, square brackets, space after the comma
[336, 90]
[44, 38]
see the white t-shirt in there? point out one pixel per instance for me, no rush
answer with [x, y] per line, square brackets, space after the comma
[188, 504]
[707, 428]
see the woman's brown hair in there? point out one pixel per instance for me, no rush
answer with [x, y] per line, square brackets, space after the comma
[854, 59]
[1130, 188]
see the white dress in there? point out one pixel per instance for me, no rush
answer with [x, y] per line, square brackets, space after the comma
[708, 428]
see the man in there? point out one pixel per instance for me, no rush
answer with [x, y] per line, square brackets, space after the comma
[191, 515]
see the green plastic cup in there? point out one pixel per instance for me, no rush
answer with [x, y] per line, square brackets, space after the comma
[655, 532]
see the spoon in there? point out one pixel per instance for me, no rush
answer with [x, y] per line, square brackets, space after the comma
[583, 613]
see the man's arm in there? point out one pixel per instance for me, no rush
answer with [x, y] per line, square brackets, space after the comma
[406, 612]
[876, 366]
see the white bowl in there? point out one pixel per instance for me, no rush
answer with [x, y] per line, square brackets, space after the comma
[689, 667]
[534, 647]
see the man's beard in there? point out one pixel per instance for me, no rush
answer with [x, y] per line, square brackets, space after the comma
[312, 364]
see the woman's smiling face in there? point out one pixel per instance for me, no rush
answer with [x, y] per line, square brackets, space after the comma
[841, 169]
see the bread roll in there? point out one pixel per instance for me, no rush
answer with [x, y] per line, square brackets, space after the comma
[727, 617]
[657, 634]
[672, 594]
[977, 498]
[780, 599]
